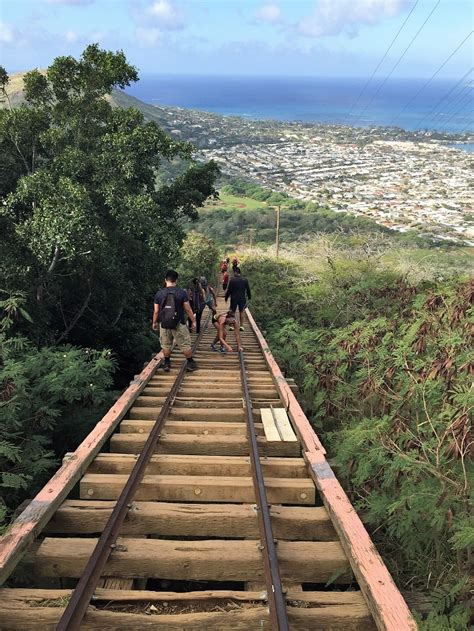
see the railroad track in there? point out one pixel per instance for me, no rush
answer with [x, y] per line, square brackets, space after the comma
[233, 520]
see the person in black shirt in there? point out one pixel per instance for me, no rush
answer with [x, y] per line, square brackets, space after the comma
[197, 302]
[180, 334]
[238, 291]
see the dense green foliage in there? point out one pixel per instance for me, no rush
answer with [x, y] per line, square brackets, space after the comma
[385, 367]
[88, 234]
[199, 256]
[229, 226]
[88, 228]
[46, 396]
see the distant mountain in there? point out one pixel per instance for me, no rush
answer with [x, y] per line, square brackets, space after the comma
[118, 98]
[203, 129]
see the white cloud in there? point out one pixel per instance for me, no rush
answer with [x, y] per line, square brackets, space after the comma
[269, 13]
[147, 37]
[166, 14]
[71, 36]
[346, 16]
[70, 2]
[7, 35]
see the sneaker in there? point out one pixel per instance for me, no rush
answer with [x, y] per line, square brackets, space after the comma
[167, 366]
[241, 328]
[213, 348]
[191, 365]
[231, 328]
[223, 350]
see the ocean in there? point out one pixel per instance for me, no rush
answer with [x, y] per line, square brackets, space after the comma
[406, 103]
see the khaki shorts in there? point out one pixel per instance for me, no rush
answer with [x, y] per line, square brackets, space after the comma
[180, 336]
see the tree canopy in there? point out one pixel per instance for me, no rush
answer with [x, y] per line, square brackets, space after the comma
[88, 232]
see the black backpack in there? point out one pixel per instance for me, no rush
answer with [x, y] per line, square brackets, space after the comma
[168, 316]
[198, 302]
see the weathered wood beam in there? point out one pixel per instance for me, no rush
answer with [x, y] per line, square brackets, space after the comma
[38, 512]
[305, 523]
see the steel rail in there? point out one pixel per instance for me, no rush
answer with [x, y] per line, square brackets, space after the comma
[85, 588]
[276, 598]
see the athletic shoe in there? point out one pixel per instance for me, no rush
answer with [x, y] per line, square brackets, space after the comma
[223, 350]
[213, 348]
[167, 367]
[241, 328]
[231, 328]
[191, 365]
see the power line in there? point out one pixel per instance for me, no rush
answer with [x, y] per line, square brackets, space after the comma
[356, 102]
[464, 129]
[445, 122]
[426, 84]
[443, 98]
[397, 63]
[447, 115]
[459, 97]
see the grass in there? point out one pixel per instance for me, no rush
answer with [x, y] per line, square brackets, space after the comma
[234, 202]
[417, 264]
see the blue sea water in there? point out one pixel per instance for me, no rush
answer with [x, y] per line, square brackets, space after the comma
[406, 103]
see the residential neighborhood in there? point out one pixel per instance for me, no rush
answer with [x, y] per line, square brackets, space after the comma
[404, 185]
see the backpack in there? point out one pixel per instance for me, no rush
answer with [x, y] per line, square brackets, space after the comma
[198, 302]
[168, 316]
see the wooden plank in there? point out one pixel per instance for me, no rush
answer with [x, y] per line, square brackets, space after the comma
[385, 602]
[117, 584]
[224, 392]
[283, 425]
[257, 617]
[217, 444]
[317, 610]
[187, 427]
[31, 521]
[47, 618]
[264, 379]
[217, 560]
[36, 595]
[189, 488]
[191, 414]
[299, 523]
[269, 426]
[177, 464]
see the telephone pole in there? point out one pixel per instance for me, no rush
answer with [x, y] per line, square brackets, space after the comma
[251, 236]
[277, 236]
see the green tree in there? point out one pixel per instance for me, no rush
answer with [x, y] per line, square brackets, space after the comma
[199, 256]
[42, 391]
[88, 232]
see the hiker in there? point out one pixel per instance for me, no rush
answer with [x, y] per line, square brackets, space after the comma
[238, 291]
[220, 321]
[169, 309]
[235, 263]
[225, 280]
[210, 298]
[197, 302]
[224, 265]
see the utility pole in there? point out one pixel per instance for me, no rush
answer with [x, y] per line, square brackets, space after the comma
[251, 235]
[277, 236]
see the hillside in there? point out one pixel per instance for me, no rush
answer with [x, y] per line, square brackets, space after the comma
[408, 182]
[203, 129]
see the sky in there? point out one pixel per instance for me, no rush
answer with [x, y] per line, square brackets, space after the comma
[340, 38]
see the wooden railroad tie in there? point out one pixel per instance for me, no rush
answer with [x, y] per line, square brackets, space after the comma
[190, 553]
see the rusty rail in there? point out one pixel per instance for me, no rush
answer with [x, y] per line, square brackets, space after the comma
[80, 599]
[276, 598]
